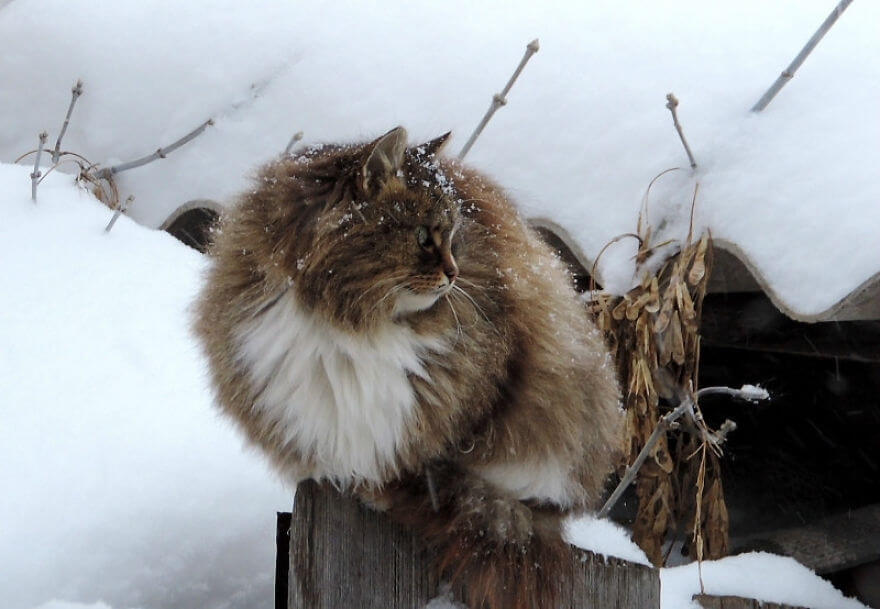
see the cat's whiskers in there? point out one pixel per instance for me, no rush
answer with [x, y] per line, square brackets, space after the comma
[393, 290]
[459, 290]
[379, 284]
[470, 283]
[455, 315]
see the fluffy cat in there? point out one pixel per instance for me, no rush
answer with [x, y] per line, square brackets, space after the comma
[380, 317]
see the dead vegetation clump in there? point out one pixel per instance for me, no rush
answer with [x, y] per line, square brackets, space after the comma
[653, 331]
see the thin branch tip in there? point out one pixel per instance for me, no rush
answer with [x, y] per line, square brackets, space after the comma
[672, 105]
[499, 99]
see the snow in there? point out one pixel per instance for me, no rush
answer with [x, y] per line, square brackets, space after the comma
[757, 575]
[121, 484]
[604, 537]
[127, 488]
[584, 132]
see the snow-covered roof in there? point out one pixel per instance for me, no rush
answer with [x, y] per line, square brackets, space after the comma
[793, 191]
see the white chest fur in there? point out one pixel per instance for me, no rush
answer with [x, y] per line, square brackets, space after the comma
[344, 399]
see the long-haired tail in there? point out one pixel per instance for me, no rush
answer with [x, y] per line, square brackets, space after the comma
[505, 554]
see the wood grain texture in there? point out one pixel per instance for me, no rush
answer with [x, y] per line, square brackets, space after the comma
[707, 601]
[345, 555]
[831, 544]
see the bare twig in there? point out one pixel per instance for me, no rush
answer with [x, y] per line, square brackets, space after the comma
[161, 153]
[119, 211]
[35, 176]
[789, 72]
[75, 93]
[662, 426]
[672, 104]
[500, 99]
[685, 406]
[293, 140]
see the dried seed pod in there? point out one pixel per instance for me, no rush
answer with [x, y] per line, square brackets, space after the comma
[662, 321]
[619, 312]
[698, 268]
[662, 458]
[633, 310]
[653, 303]
[684, 259]
[677, 340]
[643, 334]
[686, 306]
[664, 350]
[648, 378]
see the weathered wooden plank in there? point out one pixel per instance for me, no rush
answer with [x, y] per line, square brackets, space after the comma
[834, 543]
[344, 555]
[708, 601]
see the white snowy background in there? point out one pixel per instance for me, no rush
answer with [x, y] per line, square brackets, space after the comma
[120, 483]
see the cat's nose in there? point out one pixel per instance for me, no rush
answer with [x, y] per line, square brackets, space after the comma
[451, 271]
[450, 268]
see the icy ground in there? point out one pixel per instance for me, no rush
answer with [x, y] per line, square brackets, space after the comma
[122, 488]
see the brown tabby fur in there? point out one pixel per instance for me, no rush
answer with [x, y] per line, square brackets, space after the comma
[527, 377]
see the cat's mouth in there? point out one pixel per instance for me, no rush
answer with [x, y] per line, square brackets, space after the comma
[410, 301]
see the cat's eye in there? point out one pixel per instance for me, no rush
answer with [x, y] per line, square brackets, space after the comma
[423, 237]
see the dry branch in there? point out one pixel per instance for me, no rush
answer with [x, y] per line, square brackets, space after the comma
[672, 104]
[789, 72]
[161, 153]
[75, 93]
[35, 175]
[500, 99]
[747, 392]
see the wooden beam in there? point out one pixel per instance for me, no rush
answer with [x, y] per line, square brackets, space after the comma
[345, 555]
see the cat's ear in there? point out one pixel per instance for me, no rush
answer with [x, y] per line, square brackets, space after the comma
[384, 159]
[435, 145]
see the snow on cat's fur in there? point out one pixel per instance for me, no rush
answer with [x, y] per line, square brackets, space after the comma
[374, 314]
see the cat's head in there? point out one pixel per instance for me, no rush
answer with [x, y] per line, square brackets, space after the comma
[385, 242]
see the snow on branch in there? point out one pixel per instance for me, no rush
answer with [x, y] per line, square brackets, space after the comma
[788, 73]
[500, 99]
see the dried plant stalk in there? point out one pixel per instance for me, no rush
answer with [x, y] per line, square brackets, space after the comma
[672, 105]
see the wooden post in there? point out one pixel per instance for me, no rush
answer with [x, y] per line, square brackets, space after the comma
[345, 555]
